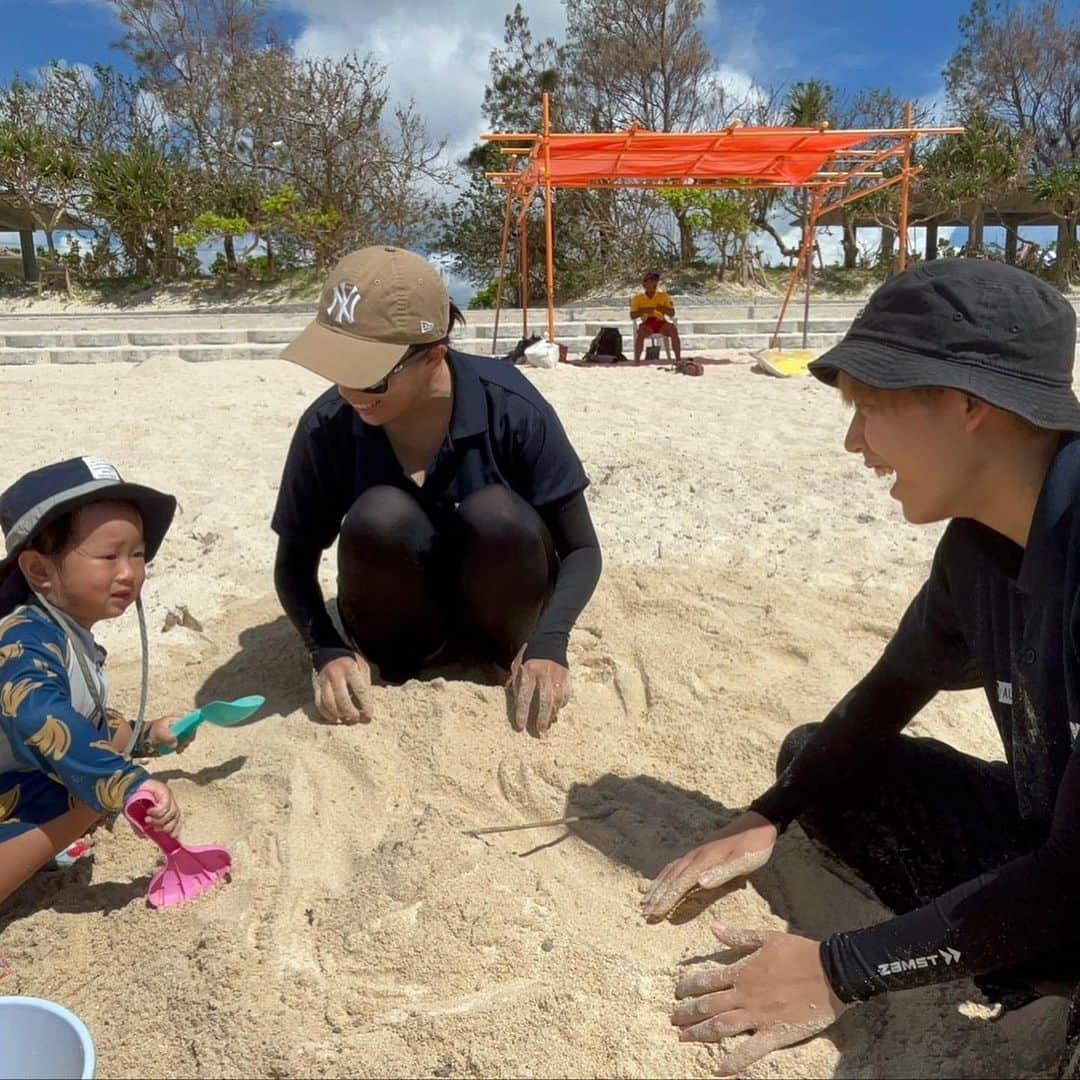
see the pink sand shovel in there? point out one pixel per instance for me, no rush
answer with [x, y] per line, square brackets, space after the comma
[188, 871]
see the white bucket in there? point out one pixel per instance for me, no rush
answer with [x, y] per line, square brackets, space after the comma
[40, 1040]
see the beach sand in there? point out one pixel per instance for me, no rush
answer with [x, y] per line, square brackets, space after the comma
[753, 572]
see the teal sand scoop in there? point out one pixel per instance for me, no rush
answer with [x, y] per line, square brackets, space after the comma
[220, 713]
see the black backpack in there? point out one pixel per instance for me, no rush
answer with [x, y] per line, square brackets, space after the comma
[606, 347]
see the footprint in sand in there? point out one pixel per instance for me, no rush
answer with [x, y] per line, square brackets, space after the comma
[316, 851]
[632, 686]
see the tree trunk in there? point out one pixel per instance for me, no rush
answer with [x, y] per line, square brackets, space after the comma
[885, 252]
[269, 254]
[1012, 229]
[29, 255]
[931, 251]
[230, 254]
[49, 243]
[850, 243]
[1068, 250]
[975, 231]
[686, 237]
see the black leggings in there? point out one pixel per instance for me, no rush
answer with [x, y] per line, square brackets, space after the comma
[919, 819]
[409, 582]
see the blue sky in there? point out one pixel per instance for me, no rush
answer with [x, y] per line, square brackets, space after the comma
[852, 44]
[436, 51]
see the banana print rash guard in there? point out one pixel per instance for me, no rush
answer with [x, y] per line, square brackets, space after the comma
[54, 740]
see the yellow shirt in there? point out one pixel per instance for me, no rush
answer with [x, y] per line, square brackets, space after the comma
[650, 307]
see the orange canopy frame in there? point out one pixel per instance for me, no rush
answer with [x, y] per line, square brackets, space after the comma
[816, 158]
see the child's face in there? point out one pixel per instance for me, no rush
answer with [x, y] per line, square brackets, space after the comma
[921, 441]
[102, 570]
[649, 284]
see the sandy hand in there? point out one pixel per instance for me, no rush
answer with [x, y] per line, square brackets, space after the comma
[544, 681]
[343, 690]
[778, 994]
[738, 849]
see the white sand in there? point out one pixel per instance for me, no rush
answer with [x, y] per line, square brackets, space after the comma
[753, 572]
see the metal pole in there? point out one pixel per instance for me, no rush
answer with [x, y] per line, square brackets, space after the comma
[523, 269]
[812, 214]
[502, 268]
[787, 299]
[905, 186]
[809, 282]
[549, 229]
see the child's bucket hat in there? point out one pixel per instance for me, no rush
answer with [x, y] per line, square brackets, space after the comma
[43, 496]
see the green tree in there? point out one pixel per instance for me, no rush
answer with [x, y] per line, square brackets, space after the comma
[722, 216]
[1060, 189]
[974, 170]
[520, 73]
[39, 174]
[144, 195]
[644, 62]
[1020, 64]
[808, 103]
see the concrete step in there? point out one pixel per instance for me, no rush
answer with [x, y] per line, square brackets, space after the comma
[509, 334]
[197, 353]
[578, 343]
[58, 339]
[139, 354]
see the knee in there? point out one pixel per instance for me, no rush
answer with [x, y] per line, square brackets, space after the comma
[793, 745]
[497, 513]
[383, 514]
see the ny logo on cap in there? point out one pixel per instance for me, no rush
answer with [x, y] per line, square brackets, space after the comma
[343, 303]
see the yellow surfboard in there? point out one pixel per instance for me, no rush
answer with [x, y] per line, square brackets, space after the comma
[785, 363]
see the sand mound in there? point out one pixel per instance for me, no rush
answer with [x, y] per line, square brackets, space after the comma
[752, 574]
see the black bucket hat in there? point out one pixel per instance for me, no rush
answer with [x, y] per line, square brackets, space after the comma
[41, 497]
[985, 328]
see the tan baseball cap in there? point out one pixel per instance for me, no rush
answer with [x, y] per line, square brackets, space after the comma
[376, 303]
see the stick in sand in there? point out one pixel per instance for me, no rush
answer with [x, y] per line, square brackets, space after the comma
[539, 824]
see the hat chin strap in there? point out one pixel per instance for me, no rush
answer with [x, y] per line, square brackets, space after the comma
[60, 619]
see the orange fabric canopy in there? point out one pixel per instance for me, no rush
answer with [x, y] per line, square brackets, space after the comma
[754, 156]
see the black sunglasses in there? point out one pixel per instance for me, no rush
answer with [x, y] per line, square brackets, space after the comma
[414, 352]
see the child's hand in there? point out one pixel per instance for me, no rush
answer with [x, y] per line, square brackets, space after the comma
[164, 815]
[160, 735]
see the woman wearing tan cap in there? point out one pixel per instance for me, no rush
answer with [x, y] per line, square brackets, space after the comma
[454, 494]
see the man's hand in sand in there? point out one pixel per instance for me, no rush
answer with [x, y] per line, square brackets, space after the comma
[541, 681]
[343, 690]
[737, 850]
[778, 994]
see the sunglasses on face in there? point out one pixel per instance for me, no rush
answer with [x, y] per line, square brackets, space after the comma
[414, 353]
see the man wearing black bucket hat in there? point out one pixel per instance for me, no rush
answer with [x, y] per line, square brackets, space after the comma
[960, 372]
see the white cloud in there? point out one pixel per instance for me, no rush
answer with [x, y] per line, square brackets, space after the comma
[936, 102]
[435, 53]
